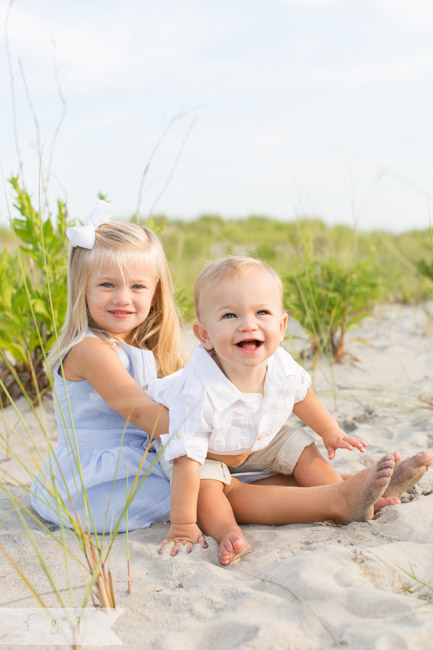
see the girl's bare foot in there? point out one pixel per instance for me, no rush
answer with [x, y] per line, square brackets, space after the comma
[407, 473]
[386, 501]
[232, 546]
[363, 490]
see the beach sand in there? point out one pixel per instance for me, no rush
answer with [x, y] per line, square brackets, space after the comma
[304, 586]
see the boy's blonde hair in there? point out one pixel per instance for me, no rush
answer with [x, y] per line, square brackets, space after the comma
[118, 243]
[231, 268]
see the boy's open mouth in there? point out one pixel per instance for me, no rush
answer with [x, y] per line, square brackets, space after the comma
[250, 344]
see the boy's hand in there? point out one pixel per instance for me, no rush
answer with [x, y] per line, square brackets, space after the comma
[181, 534]
[336, 438]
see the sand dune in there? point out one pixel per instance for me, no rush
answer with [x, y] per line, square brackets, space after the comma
[304, 586]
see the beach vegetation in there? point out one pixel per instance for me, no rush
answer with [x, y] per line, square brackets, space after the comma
[32, 294]
[329, 299]
[422, 589]
[189, 245]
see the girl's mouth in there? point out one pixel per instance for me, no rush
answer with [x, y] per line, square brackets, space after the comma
[120, 313]
[250, 345]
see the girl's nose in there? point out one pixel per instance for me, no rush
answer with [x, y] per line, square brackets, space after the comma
[122, 296]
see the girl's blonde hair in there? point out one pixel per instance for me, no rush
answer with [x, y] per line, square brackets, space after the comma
[118, 243]
[234, 267]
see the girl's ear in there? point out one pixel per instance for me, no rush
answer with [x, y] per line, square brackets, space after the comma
[201, 334]
[156, 294]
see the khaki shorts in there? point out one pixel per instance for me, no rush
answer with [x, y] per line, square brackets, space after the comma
[212, 469]
[279, 457]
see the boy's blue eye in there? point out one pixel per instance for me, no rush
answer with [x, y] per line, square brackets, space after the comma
[229, 315]
[262, 312]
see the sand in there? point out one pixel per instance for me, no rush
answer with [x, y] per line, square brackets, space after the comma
[304, 586]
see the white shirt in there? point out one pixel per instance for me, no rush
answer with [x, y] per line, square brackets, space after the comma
[208, 413]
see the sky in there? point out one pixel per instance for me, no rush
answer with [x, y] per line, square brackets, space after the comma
[281, 108]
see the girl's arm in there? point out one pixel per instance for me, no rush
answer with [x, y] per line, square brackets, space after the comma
[314, 414]
[185, 485]
[98, 363]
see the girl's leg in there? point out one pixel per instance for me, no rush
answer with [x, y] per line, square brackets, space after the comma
[345, 501]
[313, 469]
[407, 473]
[216, 518]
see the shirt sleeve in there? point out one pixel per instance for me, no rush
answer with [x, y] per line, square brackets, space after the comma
[190, 416]
[299, 378]
[162, 388]
[304, 385]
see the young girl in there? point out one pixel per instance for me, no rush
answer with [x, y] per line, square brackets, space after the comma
[121, 331]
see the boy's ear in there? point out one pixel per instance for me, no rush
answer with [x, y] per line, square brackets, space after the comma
[283, 323]
[201, 334]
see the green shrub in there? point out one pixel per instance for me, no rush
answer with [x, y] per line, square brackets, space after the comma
[329, 299]
[30, 312]
[426, 268]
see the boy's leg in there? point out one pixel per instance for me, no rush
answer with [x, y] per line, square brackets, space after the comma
[350, 500]
[293, 453]
[313, 469]
[216, 518]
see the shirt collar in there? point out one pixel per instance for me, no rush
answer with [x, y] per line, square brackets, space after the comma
[220, 389]
[281, 366]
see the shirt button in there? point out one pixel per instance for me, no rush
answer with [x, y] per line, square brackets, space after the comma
[178, 435]
[260, 436]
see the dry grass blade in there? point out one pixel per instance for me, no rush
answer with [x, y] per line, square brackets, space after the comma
[426, 400]
[23, 577]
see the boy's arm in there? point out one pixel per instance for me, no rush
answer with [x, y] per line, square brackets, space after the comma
[185, 485]
[314, 414]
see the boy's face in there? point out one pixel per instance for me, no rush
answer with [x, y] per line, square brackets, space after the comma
[242, 321]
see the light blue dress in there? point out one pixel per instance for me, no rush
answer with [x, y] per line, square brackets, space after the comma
[109, 450]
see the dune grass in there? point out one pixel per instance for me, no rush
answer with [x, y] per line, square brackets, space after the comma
[284, 244]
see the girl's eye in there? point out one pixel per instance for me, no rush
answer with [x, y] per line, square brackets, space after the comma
[107, 285]
[138, 286]
[229, 315]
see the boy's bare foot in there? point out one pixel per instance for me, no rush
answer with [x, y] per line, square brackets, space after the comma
[232, 546]
[407, 473]
[363, 490]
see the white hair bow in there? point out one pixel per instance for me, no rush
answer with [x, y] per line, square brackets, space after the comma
[84, 236]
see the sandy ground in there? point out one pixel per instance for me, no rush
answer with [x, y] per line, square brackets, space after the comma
[304, 586]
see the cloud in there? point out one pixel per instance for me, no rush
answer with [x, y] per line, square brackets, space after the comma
[100, 45]
[416, 16]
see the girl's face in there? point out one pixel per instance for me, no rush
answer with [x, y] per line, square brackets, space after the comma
[118, 299]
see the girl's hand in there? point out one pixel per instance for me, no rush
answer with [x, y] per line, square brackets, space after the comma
[181, 534]
[336, 438]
